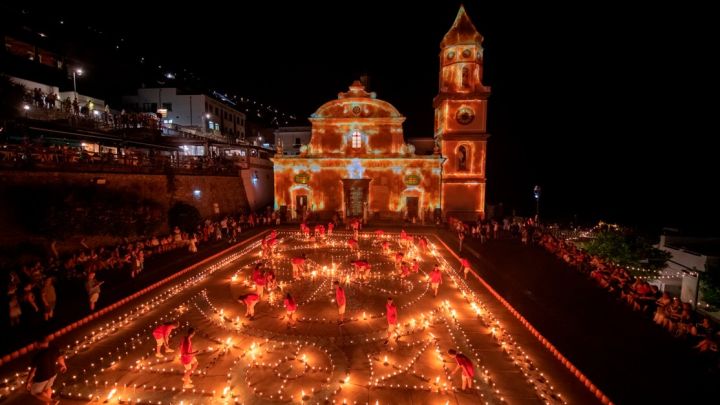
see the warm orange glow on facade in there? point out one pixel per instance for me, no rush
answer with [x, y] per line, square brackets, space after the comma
[460, 119]
[357, 163]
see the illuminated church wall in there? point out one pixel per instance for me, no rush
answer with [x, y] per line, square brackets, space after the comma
[391, 181]
[357, 147]
[460, 119]
[357, 160]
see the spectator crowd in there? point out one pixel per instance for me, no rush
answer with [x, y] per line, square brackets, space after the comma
[31, 292]
[667, 311]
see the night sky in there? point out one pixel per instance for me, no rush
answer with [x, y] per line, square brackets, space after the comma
[602, 106]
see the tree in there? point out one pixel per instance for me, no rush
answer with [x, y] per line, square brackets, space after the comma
[627, 249]
[612, 246]
[710, 285]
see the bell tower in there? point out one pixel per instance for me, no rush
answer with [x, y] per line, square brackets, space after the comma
[460, 118]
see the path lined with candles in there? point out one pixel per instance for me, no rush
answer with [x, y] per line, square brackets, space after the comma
[264, 361]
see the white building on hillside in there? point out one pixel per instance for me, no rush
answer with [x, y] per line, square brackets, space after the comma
[690, 257]
[201, 112]
[292, 138]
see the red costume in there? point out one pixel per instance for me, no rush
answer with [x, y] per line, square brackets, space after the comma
[290, 304]
[436, 276]
[423, 244]
[391, 313]
[340, 296]
[251, 298]
[361, 264]
[466, 364]
[186, 356]
[258, 277]
[163, 331]
[415, 267]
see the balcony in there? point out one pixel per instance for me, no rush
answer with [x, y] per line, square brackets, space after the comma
[71, 159]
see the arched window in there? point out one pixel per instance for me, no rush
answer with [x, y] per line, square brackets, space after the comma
[462, 158]
[356, 140]
[465, 77]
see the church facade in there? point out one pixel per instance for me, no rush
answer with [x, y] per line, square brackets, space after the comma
[357, 163]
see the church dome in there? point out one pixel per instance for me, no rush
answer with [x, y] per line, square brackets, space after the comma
[356, 103]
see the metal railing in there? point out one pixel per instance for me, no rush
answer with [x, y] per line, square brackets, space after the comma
[70, 159]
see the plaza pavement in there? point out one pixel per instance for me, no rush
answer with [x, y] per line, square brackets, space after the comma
[248, 361]
[623, 352]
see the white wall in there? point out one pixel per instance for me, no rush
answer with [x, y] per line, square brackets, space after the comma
[286, 138]
[30, 85]
[82, 99]
[260, 193]
[683, 260]
[189, 110]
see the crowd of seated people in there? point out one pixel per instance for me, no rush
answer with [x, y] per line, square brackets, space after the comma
[31, 295]
[670, 313]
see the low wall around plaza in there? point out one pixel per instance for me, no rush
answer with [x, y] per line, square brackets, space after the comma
[7, 358]
[53, 204]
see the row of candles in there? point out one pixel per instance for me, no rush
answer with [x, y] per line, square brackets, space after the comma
[123, 322]
[497, 332]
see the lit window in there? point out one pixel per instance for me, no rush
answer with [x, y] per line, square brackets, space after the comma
[356, 140]
[462, 158]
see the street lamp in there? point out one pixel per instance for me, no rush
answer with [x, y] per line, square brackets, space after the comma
[76, 72]
[536, 192]
[206, 122]
[26, 107]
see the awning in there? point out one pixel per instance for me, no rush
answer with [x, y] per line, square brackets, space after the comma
[100, 138]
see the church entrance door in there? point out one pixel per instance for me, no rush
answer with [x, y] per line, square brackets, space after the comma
[356, 196]
[301, 202]
[411, 203]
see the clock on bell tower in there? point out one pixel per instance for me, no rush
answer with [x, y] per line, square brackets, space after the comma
[460, 117]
